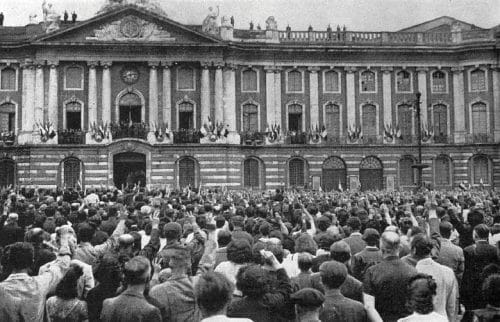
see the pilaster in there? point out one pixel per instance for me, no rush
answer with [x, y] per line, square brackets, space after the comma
[219, 94]
[422, 88]
[459, 104]
[92, 103]
[153, 92]
[350, 96]
[314, 96]
[205, 92]
[387, 94]
[53, 106]
[106, 91]
[39, 91]
[270, 101]
[496, 101]
[167, 93]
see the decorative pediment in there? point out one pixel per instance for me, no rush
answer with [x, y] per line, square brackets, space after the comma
[131, 28]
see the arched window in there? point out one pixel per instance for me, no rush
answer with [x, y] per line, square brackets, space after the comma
[249, 81]
[440, 116]
[73, 116]
[405, 122]
[406, 172]
[332, 83]
[371, 174]
[369, 120]
[294, 81]
[296, 172]
[332, 119]
[74, 77]
[130, 108]
[8, 79]
[251, 173]
[368, 81]
[295, 117]
[71, 172]
[479, 118]
[403, 81]
[477, 80]
[185, 79]
[7, 172]
[439, 82]
[480, 169]
[186, 115]
[7, 117]
[250, 118]
[187, 173]
[442, 171]
[334, 174]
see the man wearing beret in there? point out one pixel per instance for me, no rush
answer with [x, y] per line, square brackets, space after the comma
[308, 302]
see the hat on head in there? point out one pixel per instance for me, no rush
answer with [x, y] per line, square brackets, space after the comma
[126, 240]
[308, 297]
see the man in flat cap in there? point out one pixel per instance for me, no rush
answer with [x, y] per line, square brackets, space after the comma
[308, 302]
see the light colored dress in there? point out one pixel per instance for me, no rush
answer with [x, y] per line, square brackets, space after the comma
[60, 310]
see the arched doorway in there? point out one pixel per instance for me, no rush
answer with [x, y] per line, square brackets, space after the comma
[371, 174]
[187, 173]
[333, 174]
[130, 109]
[71, 173]
[129, 168]
[7, 173]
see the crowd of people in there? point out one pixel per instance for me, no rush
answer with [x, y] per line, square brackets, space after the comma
[216, 255]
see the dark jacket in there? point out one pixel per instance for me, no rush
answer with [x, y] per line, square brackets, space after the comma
[129, 307]
[361, 261]
[355, 242]
[339, 308]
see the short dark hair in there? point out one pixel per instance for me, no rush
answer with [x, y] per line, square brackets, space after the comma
[224, 238]
[422, 245]
[85, 232]
[482, 231]
[421, 290]
[305, 261]
[333, 274]
[136, 270]
[239, 251]
[354, 223]
[67, 288]
[252, 281]
[491, 290]
[445, 229]
[213, 292]
[20, 255]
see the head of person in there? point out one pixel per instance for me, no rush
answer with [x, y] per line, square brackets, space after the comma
[172, 231]
[126, 244]
[305, 243]
[239, 251]
[67, 288]
[85, 233]
[481, 232]
[304, 261]
[445, 229]
[341, 252]
[333, 274]
[252, 281]
[389, 243]
[323, 223]
[491, 290]
[20, 256]
[308, 302]
[223, 238]
[354, 223]
[421, 246]
[179, 258]
[12, 218]
[137, 271]
[421, 291]
[213, 293]
[108, 271]
[371, 237]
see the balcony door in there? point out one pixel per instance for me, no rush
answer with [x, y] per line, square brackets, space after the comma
[130, 109]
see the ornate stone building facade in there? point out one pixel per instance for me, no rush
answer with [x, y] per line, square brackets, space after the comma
[131, 95]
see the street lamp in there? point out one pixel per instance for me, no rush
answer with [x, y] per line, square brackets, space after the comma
[419, 166]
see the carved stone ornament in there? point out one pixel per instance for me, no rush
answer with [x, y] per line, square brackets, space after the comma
[131, 28]
[130, 75]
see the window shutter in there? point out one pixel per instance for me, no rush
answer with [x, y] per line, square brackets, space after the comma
[296, 172]
[369, 120]
[186, 173]
[251, 173]
[8, 79]
[442, 171]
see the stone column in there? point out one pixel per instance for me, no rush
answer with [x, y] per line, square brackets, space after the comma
[277, 98]
[167, 94]
[205, 93]
[219, 95]
[230, 98]
[350, 96]
[422, 88]
[106, 92]
[270, 103]
[39, 92]
[314, 97]
[53, 104]
[459, 104]
[387, 95]
[92, 103]
[496, 101]
[28, 98]
[153, 93]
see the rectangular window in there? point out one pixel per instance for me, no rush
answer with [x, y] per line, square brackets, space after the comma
[185, 79]
[8, 79]
[294, 81]
[249, 81]
[332, 120]
[478, 80]
[331, 82]
[479, 122]
[74, 78]
[368, 83]
[403, 81]
[250, 120]
[438, 82]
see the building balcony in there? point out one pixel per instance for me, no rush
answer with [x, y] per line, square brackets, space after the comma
[183, 136]
[441, 139]
[70, 137]
[129, 131]
[479, 138]
[252, 138]
[297, 138]
[7, 138]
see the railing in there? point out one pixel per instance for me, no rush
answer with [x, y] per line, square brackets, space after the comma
[134, 130]
[252, 138]
[479, 138]
[297, 138]
[441, 138]
[394, 38]
[70, 137]
[187, 136]
[8, 138]
[372, 139]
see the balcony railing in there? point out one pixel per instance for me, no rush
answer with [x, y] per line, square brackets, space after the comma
[297, 138]
[252, 138]
[125, 130]
[479, 138]
[440, 138]
[372, 139]
[70, 137]
[7, 138]
[187, 136]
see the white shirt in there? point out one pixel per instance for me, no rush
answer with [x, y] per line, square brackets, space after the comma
[431, 317]
[223, 318]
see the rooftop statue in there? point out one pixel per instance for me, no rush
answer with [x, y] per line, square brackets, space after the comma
[271, 23]
[51, 18]
[209, 24]
[146, 4]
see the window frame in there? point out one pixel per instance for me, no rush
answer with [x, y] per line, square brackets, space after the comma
[305, 171]
[450, 170]
[303, 116]
[16, 72]
[178, 70]
[341, 129]
[447, 106]
[82, 82]
[287, 88]
[414, 179]
[489, 170]
[361, 72]
[469, 78]
[82, 116]
[250, 102]
[242, 78]
[396, 81]
[488, 126]
[260, 174]
[196, 170]
[177, 113]
[377, 116]
[16, 111]
[413, 125]
[81, 173]
[339, 80]
[446, 82]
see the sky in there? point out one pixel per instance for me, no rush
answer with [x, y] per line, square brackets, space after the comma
[358, 15]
